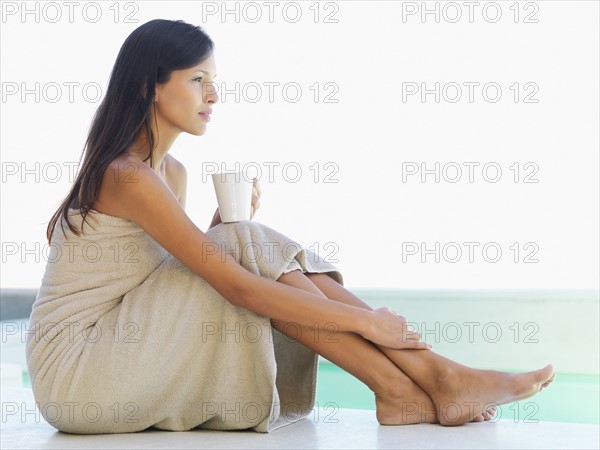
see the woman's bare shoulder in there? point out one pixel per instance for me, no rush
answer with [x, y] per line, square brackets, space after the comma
[175, 168]
[174, 163]
[121, 172]
[176, 178]
[126, 169]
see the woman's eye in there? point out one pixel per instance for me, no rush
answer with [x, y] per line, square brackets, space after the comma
[199, 78]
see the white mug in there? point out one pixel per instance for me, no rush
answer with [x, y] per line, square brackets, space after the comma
[234, 196]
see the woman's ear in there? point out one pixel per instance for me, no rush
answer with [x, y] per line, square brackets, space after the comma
[145, 90]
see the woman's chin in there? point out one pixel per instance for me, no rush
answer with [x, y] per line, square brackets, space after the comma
[198, 131]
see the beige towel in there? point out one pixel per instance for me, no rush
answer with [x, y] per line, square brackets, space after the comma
[124, 337]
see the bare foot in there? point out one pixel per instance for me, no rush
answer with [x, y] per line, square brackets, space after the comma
[408, 405]
[465, 393]
[412, 405]
[486, 415]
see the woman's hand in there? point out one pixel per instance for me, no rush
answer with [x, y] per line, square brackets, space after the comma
[391, 330]
[255, 197]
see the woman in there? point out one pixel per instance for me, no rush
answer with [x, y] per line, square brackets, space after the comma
[173, 376]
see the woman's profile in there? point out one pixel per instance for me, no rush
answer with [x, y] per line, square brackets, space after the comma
[144, 320]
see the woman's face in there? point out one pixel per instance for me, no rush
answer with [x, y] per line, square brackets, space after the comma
[189, 92]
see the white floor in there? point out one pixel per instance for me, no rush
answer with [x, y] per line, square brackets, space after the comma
[22, 427]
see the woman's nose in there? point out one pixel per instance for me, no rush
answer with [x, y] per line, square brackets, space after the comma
[211, 95]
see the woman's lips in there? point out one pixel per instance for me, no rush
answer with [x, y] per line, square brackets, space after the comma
[205, 116]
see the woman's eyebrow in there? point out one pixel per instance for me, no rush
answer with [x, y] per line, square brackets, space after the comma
[204, 71]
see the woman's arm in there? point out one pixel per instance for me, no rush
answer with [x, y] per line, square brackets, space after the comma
[149, 203]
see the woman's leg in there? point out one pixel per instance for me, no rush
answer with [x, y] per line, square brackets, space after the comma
[459, 392]
[398, 399]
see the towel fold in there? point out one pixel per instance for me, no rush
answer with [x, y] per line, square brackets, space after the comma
[124, 337]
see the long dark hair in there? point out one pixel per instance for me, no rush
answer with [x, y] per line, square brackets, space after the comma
[147, 57]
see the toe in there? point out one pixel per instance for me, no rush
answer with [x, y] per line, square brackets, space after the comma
[549, 380]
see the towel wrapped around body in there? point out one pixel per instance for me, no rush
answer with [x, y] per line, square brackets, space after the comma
[123, 336]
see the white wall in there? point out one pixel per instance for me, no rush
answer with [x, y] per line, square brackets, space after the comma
[369, 55]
